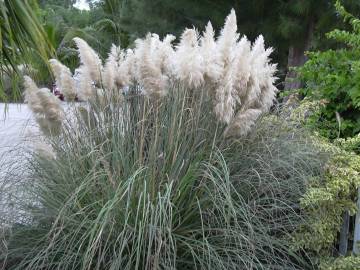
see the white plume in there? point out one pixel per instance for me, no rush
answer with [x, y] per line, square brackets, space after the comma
[188, 62]
[31, 97]
[111, 68]
[64, 79]
[243, 122]
[210, 54]
[225, 92]
[86, 88]
[149, 73]
[46, 107]
[90, 59]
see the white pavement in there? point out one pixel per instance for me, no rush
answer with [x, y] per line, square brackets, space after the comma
[17, 129]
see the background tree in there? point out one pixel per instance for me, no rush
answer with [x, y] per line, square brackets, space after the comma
[301, 22]
[109, 24]
[332, 77]
[64, 3]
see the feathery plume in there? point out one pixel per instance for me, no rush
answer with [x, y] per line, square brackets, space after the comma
[111, 68]
[51, 105]
[90, 59]
[153, 81]
[243, 122]
[116, 73]
[210, 54]
[224, 95]
[242, 67]
[228, 37]
[64, 80]
[165, 54]
[46, 107]
[31, 98]
[86, 88]
[261, 91]
[225, 101]
[123, 74]
[188, 63]
[127, 68]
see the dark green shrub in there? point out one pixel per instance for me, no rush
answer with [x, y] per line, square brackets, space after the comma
[333, 77]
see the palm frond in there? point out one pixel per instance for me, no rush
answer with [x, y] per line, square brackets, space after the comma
[21, 34]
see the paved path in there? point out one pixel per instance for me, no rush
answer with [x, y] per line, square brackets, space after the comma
[17, 128]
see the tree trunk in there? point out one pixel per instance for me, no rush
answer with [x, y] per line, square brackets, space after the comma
[356, 250]
[344, 234]
[297, 58]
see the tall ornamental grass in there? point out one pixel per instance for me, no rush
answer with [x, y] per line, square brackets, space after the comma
[168, 170]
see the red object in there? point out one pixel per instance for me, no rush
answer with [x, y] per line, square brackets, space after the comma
[57, 93]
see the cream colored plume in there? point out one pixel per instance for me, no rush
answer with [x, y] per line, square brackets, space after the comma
[86, 88]
[123, 74]
[128, 68]
[210, 55]
[261, 90]
[225, 93]
[90, 59]
[243, 67]
[243, 122]
[111, 68]
[165, 54]
[46, 107]
[116, 73]
[149, 74]
[228, 37]
[31, 97]
[188, 62]
[64, 80]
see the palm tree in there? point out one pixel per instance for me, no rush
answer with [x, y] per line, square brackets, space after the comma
[21, 38]
[112, 23]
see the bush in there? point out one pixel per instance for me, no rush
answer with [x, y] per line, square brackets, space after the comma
[333, 77]
[341, 263]
[329, 196]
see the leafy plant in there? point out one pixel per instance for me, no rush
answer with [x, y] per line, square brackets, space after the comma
[328, 196]
[333, 77]
[22, 39]
[341, 263]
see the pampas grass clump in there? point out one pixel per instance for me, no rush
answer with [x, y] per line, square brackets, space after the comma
[158, 178]
[138, 185]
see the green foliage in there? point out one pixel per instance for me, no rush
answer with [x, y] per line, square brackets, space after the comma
[62, 24]
[22, 39]
[99, 27]
[334, 77]
[329, 195]
[155, 185]
[64, 3]
[341, 263]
